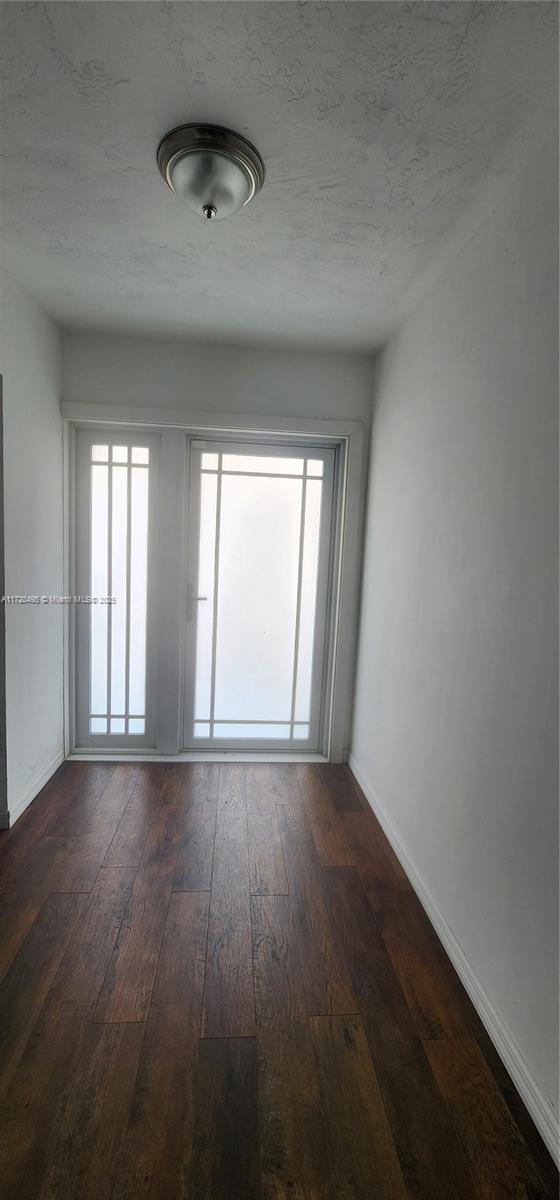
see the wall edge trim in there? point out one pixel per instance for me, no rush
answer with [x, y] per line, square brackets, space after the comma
[535, 1102]
[23, 802]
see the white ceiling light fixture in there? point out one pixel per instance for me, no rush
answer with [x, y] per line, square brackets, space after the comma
[213, 170]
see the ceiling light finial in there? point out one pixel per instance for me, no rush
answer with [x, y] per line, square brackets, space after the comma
[214, 170]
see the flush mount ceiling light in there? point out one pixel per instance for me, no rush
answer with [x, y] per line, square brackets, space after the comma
[215, 171]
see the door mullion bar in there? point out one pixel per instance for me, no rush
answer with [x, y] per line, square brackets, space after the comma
[255, 474]
[298, 602]
[127, 624]
[109, 582]
[215, 598]
[249, 721]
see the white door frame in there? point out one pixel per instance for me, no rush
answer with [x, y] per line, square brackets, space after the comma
[348, 436]
[83, 436]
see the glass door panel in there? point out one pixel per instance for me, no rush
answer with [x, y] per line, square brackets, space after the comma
[260, 534]
[115, 476]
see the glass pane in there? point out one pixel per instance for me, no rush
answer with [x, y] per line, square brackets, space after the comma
[209, 462]
[98, 725]
[251, 731]
[139, 485]
[262, 463]
[301, 732]
[99, 587]
[202, 729]
[308, 599]
[117, 724]
[100, 453]
[140, 455]
[315, 467]
[120, 454]
[258, 576]
[136, 725]
[205, 587]
[118, 588]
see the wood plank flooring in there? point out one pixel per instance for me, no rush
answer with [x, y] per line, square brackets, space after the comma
[217, 984]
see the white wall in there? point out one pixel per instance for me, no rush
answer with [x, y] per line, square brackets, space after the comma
[106, 369]
[455, 733]
[30, 363]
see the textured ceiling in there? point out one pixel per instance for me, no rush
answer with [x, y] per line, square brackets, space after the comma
[385, 127]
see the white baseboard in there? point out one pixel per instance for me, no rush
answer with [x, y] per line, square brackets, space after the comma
[546, 1120]
[210, 756]
[22, 802]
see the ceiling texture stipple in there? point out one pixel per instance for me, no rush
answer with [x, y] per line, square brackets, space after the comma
[387, 129]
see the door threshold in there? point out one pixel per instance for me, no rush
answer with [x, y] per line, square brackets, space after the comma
[213, 756]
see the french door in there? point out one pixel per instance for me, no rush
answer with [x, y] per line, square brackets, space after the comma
[247, 528]
[259, 538]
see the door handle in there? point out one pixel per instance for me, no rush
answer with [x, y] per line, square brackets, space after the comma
[190, 601]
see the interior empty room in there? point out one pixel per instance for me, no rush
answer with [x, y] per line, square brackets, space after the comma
[279, 643]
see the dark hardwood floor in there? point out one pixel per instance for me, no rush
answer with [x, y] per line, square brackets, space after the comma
[217, 984]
